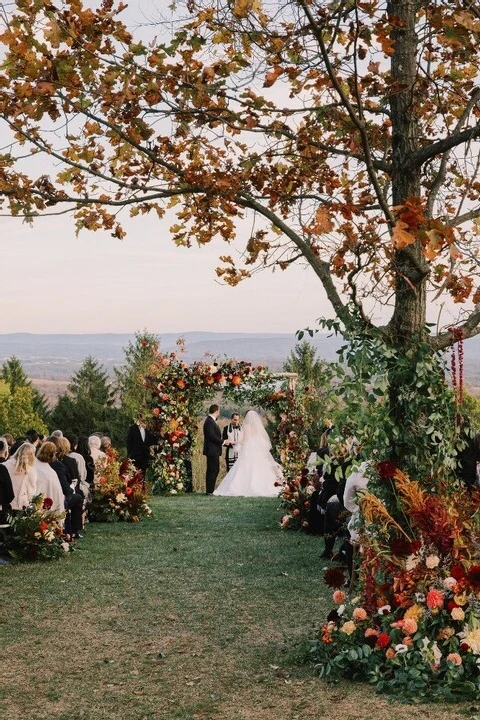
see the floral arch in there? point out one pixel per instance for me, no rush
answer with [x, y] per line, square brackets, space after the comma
[176, 393]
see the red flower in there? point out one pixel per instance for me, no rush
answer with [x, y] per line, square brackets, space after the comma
[43, 526]
[473, 577]
[47, 503]
[401, 547]
[383, 640]
[457, 572]
[386, 469]
[435, 599]
[334, 577]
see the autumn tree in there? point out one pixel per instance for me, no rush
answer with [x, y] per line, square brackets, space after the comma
[346, 134]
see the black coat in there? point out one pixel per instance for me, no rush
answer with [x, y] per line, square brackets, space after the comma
[61, 471]
[212, 438]
[6, 493]
[72, 468]
[138, 450]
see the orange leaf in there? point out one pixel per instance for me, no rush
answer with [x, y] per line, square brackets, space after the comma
[400, 237]
[323, 222]
[272, 75]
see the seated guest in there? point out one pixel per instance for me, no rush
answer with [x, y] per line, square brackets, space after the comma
[73, 499]
[83, 449]
[47, 479]
[10, 441]
[81, 466]
[99, 457]
[6, 487]
[23, 474]
[33, 438]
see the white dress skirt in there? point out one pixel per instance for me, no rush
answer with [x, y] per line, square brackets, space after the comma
[255, 472]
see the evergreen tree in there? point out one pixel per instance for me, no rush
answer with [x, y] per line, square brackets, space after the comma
[315, 382]
[139, 356]
[88, 404]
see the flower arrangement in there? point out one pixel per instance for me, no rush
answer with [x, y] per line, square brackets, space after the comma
[119, 494]
[37, 532]
[295, 499]
[414, 627]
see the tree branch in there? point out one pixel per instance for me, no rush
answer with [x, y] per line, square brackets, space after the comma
[469, 328]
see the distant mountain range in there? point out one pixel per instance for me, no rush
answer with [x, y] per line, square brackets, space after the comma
[59, 356]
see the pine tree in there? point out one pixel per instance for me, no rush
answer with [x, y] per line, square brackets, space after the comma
[139, 356]
[88, 404]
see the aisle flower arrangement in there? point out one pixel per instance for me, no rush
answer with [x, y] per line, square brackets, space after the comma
[119, 494]
[37, 532]
[295, 500]
[414, 627]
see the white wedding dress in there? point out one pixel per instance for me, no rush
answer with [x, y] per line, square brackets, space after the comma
[255, 472]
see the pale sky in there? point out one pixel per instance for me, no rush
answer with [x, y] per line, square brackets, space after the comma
[54, 282]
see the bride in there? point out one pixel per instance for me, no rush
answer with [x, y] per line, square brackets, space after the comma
[255, 472]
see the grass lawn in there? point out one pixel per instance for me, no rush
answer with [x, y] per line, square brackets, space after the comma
[184, 617]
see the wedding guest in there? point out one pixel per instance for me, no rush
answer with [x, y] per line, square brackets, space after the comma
[105, 444]
[356, 484]
[18, 442]
[6, 488]
[212, 448]
[98, 456]
[23, 474]
[57, 433]
[469, 454]
[83, 449]
[73, 499]
[48, 482]
[33, 438]
[10, 441]
[232, 436]
[139, 442]
[79, 459]
[70, 463]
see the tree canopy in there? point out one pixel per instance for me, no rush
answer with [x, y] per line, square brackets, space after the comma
[346, 134]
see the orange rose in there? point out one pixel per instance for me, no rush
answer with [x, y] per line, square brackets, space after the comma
[43, 526]
[156, 411]
[390, 654]
[209, 380]
[236, 380]
[181, 384]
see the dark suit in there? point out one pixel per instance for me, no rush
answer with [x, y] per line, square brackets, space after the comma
[6, 493]
[138, 449]
[212, 448]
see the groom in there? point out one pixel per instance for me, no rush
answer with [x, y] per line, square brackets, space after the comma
[212, 447]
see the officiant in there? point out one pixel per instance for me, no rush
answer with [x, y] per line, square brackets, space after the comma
[233, 435]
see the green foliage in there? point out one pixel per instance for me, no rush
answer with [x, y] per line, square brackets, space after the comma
[17, 414]
[15, 377]
[87, 406]
[139, 357]
[398, 402]
[315, 386]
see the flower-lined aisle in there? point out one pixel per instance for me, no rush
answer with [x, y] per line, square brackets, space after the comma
[414, 627]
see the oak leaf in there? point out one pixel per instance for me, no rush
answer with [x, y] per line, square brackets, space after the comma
[272, 75]
[400, 237]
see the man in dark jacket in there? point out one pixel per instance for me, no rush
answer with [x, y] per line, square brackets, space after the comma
[139, 442]
[212, 447]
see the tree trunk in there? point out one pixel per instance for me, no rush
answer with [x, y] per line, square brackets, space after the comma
[410, 285]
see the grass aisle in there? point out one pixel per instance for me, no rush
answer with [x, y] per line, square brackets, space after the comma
[184, 617]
